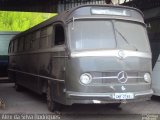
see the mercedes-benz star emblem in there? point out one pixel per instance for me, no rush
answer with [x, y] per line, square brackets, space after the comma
[122, 77]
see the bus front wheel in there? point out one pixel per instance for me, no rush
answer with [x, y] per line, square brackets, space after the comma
[52, 105]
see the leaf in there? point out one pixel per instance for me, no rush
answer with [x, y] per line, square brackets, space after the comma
[20, 21]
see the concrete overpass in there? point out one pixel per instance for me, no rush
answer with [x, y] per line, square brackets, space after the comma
[48, 6]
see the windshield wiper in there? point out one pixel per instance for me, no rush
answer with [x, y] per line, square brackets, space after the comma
[125, 39]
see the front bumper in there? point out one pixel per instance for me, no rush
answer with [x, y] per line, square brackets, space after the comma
[90, 98]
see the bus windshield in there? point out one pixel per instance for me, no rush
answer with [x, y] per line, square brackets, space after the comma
[131, 36]
[107, 34]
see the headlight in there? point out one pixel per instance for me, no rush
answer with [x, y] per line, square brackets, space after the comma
[85, 78]
[147, 77]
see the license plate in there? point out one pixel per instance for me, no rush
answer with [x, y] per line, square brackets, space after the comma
[123, 96]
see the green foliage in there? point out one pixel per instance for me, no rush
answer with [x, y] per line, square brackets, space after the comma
[20, 21]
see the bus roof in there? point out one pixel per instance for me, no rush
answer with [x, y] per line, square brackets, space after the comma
[85, 11]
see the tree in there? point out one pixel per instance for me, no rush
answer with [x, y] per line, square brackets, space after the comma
[20, 21]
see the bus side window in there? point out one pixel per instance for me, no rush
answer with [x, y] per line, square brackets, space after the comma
[12, 47]
[15, 45]
[18, 46]
[49, 36]
[34, 41]
[21, 44]
[43, 38]
[27, 42]
[59, 35]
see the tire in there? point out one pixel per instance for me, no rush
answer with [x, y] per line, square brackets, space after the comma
[52, 105]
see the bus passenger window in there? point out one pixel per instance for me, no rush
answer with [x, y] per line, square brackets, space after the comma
[59, 35]
[43, 38]
[34, 41]
[12, 47]
[9, 50]
[15, 45]
[37, 43]
[49, 36]
[21, 44]
[27, 42]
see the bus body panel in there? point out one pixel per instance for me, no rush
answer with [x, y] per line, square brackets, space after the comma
[103, 67]
[55, 63]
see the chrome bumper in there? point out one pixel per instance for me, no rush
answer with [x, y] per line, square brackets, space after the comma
[78, 97]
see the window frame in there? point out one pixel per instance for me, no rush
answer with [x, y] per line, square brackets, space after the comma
[54, 34]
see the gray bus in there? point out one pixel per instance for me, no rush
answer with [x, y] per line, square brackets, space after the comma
[90, 54]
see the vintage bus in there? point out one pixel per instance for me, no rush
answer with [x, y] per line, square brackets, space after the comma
[90, 54]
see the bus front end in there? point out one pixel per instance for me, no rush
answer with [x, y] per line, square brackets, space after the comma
[110, 60]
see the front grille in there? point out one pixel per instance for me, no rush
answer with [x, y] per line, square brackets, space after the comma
[112, 77]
